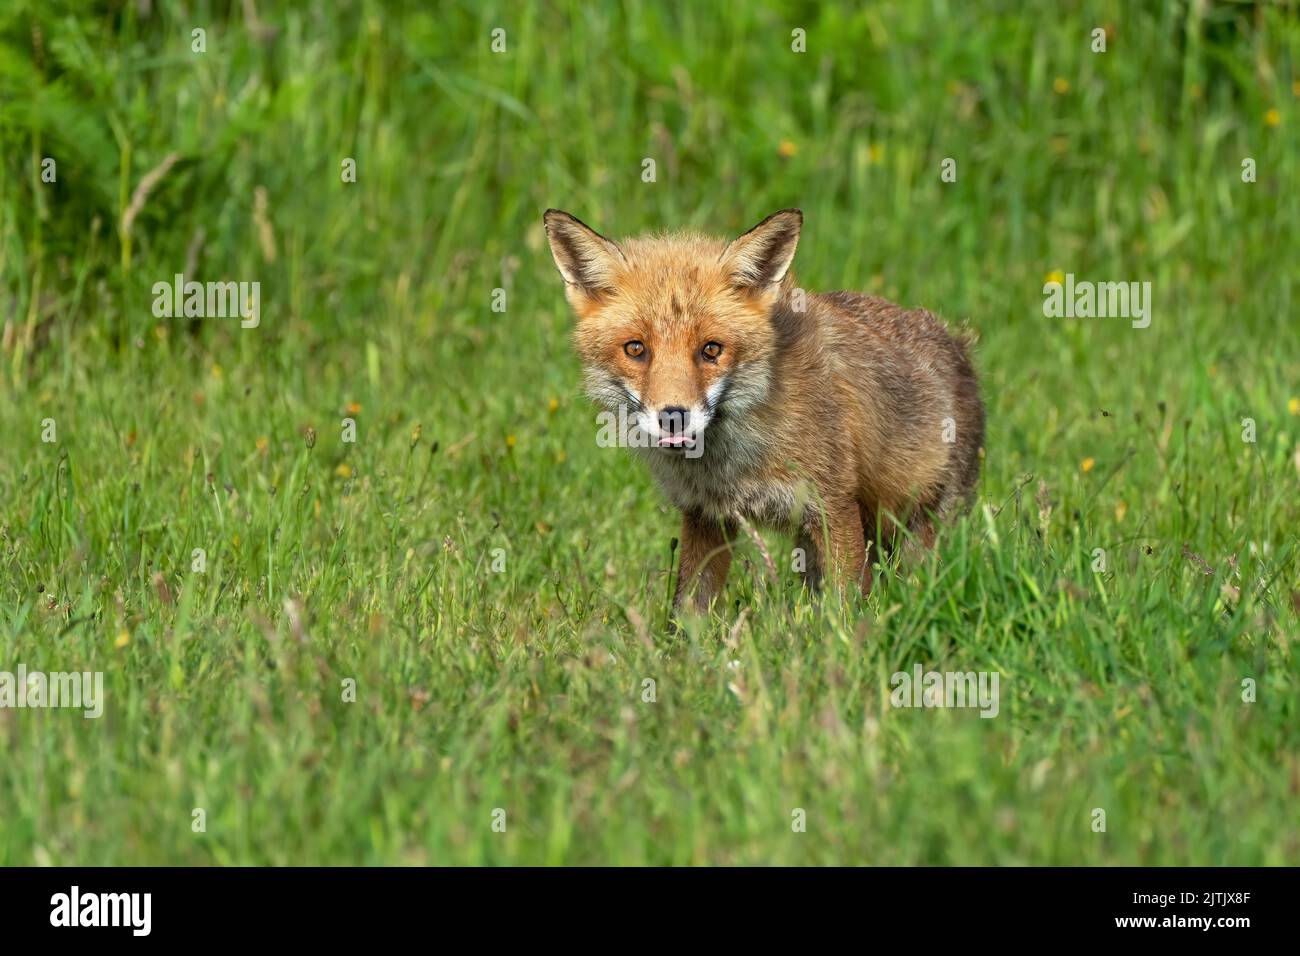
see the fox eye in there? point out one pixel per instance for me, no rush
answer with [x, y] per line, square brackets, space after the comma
[634, 349]
[711, 351]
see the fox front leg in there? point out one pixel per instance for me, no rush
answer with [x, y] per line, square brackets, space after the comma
[836, 545]
[705, 559]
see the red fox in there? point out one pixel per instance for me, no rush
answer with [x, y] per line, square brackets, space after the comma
[839, 417]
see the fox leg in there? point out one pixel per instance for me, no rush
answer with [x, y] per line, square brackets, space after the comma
[922, 532]
[839, 548]
[848, 547]
[867, 516]
[809, 544]
[705, 559]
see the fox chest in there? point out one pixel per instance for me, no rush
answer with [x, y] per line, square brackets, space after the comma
[714, 489]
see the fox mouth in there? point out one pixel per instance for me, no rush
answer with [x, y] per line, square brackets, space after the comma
[676, 441]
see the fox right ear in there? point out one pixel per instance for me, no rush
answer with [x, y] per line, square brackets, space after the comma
[585, 258]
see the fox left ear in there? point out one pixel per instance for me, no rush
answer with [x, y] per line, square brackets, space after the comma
[763, 255]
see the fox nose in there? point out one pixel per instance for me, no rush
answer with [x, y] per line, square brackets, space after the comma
[672, 420]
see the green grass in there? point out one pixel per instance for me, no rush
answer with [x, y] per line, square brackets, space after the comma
[522, 690]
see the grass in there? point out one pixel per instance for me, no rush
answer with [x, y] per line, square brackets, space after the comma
[523, 690]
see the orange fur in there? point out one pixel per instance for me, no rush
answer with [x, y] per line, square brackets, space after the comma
[843, 418]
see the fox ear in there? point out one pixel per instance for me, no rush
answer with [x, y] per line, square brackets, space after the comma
[763, 255]
[585, 258]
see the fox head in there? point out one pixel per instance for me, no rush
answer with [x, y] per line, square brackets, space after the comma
[677, 329]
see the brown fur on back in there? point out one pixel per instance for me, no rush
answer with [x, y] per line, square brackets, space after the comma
[906, 375]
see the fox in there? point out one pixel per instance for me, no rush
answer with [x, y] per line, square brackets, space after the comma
[840, 418]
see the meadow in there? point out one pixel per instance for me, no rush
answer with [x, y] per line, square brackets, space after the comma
[431, 644]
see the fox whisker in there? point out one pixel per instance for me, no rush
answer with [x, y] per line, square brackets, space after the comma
[634, 403]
